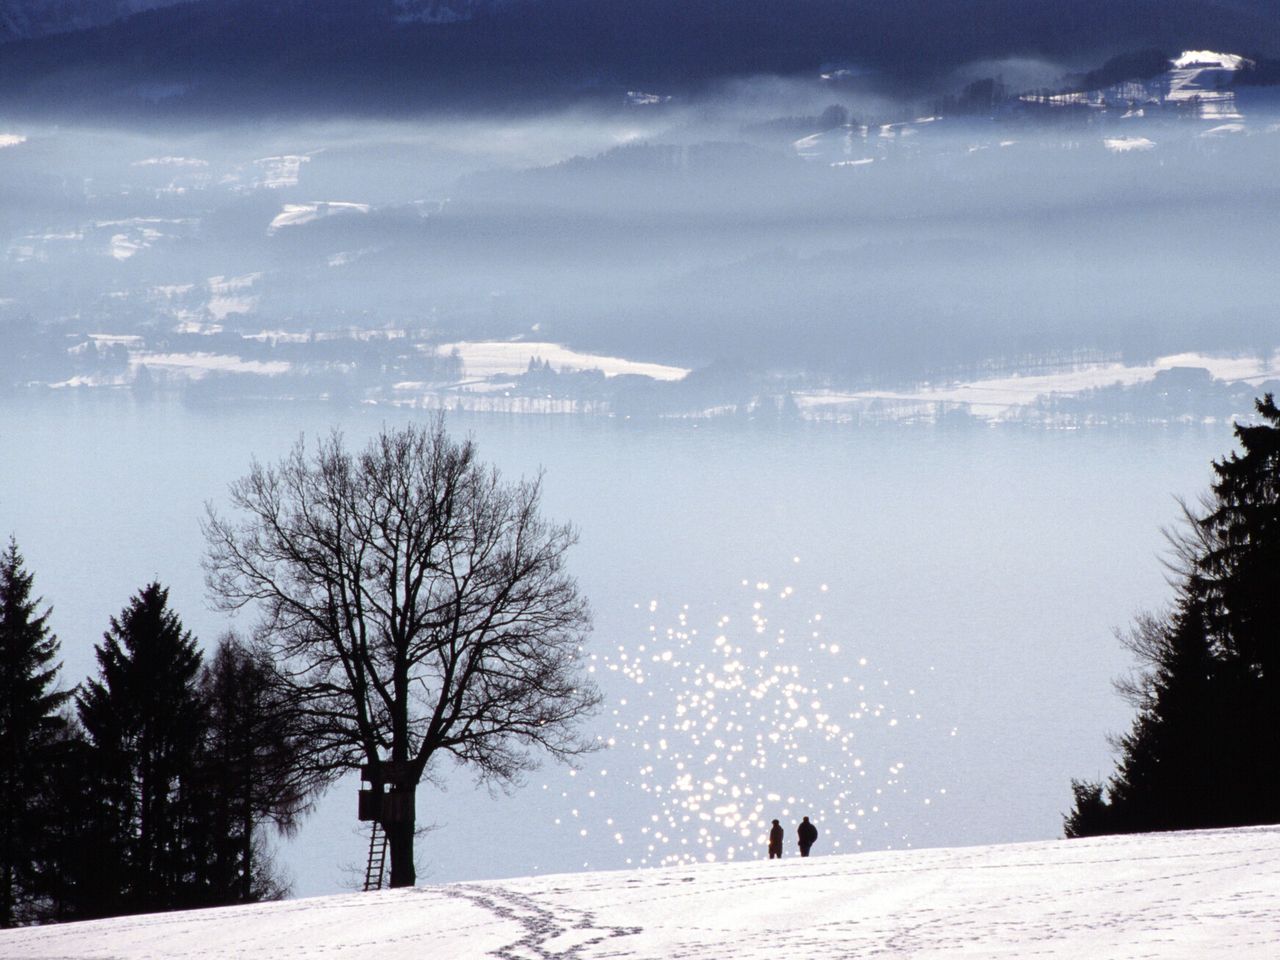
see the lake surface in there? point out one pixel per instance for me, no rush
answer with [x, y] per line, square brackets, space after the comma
[904, 632]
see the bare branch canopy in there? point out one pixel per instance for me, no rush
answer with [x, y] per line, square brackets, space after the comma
[418, 605]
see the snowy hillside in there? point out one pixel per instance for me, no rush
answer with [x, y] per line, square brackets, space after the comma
[1189, 895]
[1198, 82]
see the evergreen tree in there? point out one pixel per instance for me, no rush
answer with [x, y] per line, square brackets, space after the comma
[1186, 763]
[1239, 575]
[250, 773]
[1091, 814]
[79, 879]
[31, 729]
[1202, 751]
[144, 721]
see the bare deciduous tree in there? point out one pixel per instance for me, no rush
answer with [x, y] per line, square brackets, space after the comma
[419, 606]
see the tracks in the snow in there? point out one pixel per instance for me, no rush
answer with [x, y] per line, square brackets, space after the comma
[560, 934]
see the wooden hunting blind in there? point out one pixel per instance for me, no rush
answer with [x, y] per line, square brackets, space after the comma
[379, 805]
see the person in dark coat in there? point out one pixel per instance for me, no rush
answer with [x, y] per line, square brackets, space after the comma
[775, 840]
[807, 834]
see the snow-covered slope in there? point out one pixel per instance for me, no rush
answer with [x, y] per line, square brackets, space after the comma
[1190, 895]
[1197, 82]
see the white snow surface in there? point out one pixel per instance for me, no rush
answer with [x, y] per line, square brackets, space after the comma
[1211, 59]
[1171, 896]
[196, 366]
[228, 295]
[487, 358]
[280, 172]
[639, 98]
[169, 161]
[1199, 75]
[297, 214]
[1002, 397]
[1224, 130]
[1198, 79]
[1128, 144]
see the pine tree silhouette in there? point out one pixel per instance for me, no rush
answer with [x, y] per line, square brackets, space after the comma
[30, 731]
[1202, 751]
[143, 720]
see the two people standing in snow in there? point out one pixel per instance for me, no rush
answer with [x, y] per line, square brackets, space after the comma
[806, 834]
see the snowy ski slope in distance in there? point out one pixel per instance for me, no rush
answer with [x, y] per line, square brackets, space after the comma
[1196, 896]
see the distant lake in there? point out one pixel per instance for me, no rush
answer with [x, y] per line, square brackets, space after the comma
[955, 589]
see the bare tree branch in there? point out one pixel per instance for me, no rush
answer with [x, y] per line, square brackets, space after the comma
[417, 606]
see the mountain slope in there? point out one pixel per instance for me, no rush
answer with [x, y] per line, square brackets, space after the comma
[1173, 896]
[390, 55]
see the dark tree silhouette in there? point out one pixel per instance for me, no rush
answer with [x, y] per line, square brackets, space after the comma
[420, 606]
[1239, 572]
[144, 719]
[82, 860]
[1202, 751]
[31, 733]
[1187, 762]
[172, 774]
[249, 773]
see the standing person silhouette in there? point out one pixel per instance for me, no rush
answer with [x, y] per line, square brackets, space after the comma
[807, 834]
[775, 841]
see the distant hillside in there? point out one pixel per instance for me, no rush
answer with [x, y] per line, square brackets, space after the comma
[238, 56]
[1174, 896]
[24, 19]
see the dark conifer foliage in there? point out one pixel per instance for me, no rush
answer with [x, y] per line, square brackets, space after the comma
[144, 719]
[249, 773]
[156, 795]
[77, 885]
[1239, 575]
[1203, 751]
[31, 735]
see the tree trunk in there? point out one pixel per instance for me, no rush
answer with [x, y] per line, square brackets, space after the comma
[400, 843]
[6, 891]
[246, 849]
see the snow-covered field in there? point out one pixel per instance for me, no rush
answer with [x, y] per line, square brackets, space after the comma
[489, 358]
[1002, 397]
[1189, 895]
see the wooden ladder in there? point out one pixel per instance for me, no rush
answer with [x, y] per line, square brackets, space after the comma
[375, 869]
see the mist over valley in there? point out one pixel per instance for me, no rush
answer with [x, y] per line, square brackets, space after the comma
[835, 247]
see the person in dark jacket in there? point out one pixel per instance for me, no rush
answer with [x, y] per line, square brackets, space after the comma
[807, 834]
[775, 840]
